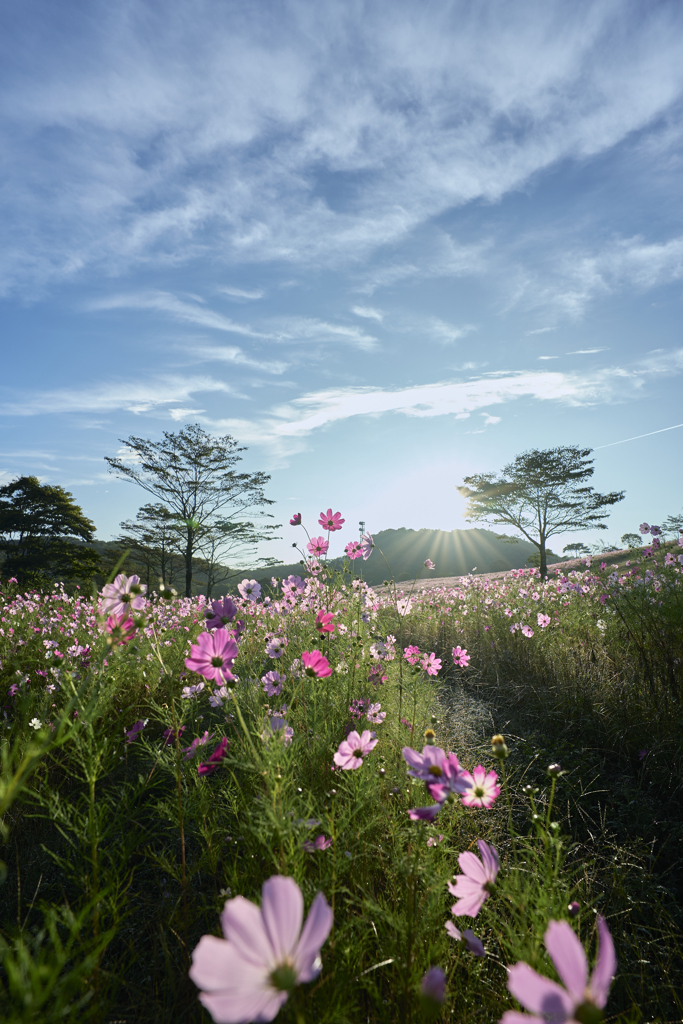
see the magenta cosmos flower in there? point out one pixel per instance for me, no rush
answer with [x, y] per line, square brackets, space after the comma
[209, 767]
[248, 975]
[313, 845]
[317, 546]
[220, 613]
[296, 519]
[120, 628]
[331, 521]
[213, 655]
[475, 883]
[431, 664]
[366, 546]
[353, 749]
[460, 656]
[324, 622]
[316, 664]
[581, 999]
[483, 788]
[124, 594]
[353, 549]
[428, 766]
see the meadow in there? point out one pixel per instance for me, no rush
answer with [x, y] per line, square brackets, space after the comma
[446, 783]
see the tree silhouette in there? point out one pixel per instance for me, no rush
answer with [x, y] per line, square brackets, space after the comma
[192, 474]
[543, 492]
[40, 526]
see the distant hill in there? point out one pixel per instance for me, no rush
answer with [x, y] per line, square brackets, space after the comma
[454, 554]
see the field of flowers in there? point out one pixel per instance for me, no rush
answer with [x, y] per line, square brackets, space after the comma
[328, 803]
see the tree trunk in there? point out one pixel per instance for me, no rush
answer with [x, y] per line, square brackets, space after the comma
[188, 564]
[544, 562]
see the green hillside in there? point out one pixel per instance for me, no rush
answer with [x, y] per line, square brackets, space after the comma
[454, 553]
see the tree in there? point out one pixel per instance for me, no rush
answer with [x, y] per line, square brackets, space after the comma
[541, 493]
[40, 530]
[227, 540]
[672, 526]
[155, 540]
[631, 540]
[576, 549]
[191, 473]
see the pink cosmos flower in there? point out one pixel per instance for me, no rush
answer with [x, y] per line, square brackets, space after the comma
[313, 845]
[124, 594]
[199, 741]
[454, 781]
[275, 647]
[580, 997]
[213, 656]
[296, 519]
[428, 766]
[353, 749]
[324, 622]
[431, 664]
[220, 613]
[248, 975]
[435, 840]
[280, 728]
[120, 629]
[367, 544]
[375, 714]
[170, 736]
[543, 620]
[429, 564]
[331, 521]
[249, 589]
[425, 813]
[317, 546]
[460, 656]
[272, 683]
[316, 664]
[468, 939]
[483, 788]
[527, 630]
[475, 883]
[353, 549]
[644, 528]
[411, 653]
[215, 759]
[135, 730]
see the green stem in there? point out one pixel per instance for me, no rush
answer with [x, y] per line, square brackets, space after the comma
[243, 724]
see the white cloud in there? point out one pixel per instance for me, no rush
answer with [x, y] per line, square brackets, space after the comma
[368, 312]
[232, 354]
[243, 293]
[164, 302]
[541, 330]
[302, 328]
[548, 357]
[448, 333]
[586, 351]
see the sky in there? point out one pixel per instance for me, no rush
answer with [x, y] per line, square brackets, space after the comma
[385, 245]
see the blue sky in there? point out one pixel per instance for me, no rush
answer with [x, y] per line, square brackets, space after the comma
[385, 245]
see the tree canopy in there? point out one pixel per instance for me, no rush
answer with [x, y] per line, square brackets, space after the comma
[542, 493]
[40, 527]
[192, 475]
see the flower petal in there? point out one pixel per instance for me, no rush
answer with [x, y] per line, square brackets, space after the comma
[217, 966]
[568, 956]
[539, 994]
[242, 924]
[515, 1017]
[490, 858]
[471, 866]
[282, 908]
[605, 967]
[243, 1007]
[315, 931]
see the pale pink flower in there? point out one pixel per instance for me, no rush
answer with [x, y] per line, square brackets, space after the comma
[475, 883]
[248, 975]
[429, 564]
[543, 620]
[460, 656]
[375, 714]
[428, 766]
[435, 840]
[527, 630]
[272, 683]
[320, 843]
[275, 647]
[280, 728]
[431, 664]
[404, 606]
[220, 613]
[644, 528]
[126, 593]
[483, 788]
[316, 664]
[367, 544]
[411, 653]
[468, 939]
[454, 781]
[353, 749]
[249, 589]
[213, 655]
[317, 546]
[331, 521]
[581, 998]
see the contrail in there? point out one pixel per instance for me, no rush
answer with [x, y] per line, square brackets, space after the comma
[662, 431]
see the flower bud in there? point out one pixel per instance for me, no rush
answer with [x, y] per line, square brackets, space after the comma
[573, 908]
[499, 747]
[554, 771]
[430, 737]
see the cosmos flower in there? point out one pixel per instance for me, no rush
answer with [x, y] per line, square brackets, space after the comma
[475, 883]
[331, 521]
[353, 749]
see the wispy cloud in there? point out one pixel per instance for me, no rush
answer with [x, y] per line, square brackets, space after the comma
[233, 354]
[243, 293]
[586, 351]
[541, 330]
[310, 329]
[164, 302]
